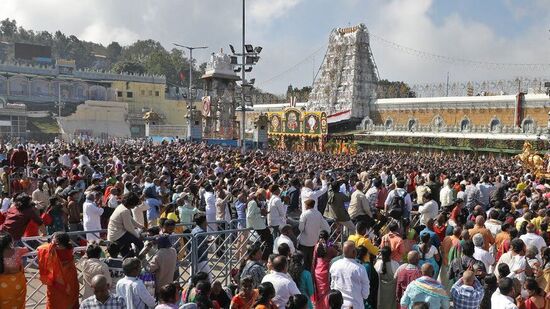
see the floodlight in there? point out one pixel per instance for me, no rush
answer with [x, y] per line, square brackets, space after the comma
[249, 48]
[232, 48]
[258, 49]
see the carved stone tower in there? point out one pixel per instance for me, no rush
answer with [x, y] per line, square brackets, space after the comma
[219, 103]
[348, 76]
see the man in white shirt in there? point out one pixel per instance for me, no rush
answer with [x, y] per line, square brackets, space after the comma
[284, 238]
[283, 284]
[65, 159]
[446, 194]
[428, 210]
[311, 224]
[481, 254]
[350, 278]
[83, 159]
[131, 288]
[40, 197]
[532, 239]
[307, 192]
[276, 210]
[91, 217]
[493, 224]
[503, 297]
[6, 202]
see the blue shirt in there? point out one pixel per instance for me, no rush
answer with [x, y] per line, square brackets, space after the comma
[465, 296]
[435, 239]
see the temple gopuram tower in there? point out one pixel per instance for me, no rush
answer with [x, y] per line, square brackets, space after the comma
[348, 76]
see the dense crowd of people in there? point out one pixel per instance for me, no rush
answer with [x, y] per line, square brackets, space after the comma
[419, 230]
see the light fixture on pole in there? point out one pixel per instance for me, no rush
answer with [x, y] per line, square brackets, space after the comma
[249, 57]
[189, 96]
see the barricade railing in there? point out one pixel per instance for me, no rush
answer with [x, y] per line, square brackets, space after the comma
[225, 251]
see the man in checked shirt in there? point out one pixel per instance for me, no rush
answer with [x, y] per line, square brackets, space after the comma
[467, 292]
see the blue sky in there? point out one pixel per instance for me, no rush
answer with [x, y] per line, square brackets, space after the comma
[511, 31]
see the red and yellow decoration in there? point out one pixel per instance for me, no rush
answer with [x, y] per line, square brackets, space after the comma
[296, 129]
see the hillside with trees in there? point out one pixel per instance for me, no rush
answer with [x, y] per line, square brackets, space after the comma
[143, 56]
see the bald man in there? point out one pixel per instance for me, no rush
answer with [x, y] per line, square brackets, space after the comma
[359, 209]
[406, 273]
[350, 278]
[102, 297]
[467, 292]
[488, 239]
[426, 289]
[532, 239]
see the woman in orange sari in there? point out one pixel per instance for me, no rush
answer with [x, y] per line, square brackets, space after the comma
[13, 286]
[58, 272]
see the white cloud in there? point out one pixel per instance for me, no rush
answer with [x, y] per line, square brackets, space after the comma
[408, 23]
[104, 34]
[264, 11]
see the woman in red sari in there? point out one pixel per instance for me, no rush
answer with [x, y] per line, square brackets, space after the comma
[323, 253]
[536, 298]
[58, 272]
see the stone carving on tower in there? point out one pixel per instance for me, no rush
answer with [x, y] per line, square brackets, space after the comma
[219, 81]
[348, 76]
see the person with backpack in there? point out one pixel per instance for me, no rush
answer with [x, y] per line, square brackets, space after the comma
[398, 204]
[398, 200]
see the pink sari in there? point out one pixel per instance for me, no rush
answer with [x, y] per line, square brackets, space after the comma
[320, 270]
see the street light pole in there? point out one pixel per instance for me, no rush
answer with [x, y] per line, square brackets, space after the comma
[189, 97]
[243, 82]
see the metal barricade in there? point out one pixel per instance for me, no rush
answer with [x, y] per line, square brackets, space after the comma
[226, 250]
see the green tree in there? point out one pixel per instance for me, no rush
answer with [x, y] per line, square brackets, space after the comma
[8, 27]
[302, 95]
[127, 66]
[141, 49]
[113, 51]
[393, 89]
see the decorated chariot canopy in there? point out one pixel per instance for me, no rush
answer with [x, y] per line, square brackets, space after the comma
[295, 122]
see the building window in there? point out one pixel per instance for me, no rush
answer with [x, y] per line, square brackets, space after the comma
[494, 125]
[150, 93]
[411, 125]
[388, 124]
[142, 92]
[119, 94]
[157, 94]
[465, 125]
[528, 126]
[438, 123]
[129, 94]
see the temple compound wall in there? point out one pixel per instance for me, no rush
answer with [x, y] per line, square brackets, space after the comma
[522, 113]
